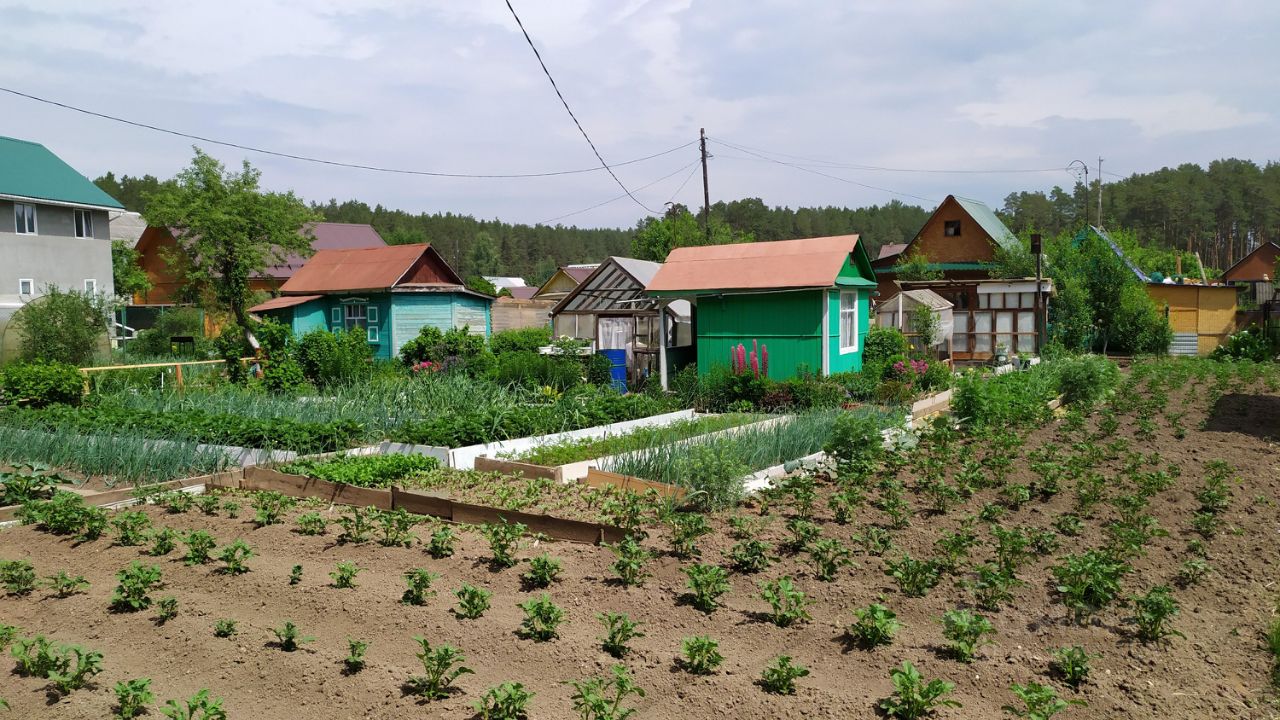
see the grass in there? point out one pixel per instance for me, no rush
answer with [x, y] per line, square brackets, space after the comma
[588, 448]
[118, 457]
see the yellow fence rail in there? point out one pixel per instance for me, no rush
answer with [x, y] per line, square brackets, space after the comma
[176, 365]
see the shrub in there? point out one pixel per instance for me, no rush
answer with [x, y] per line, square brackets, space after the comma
[61, 326]
[441, 666]
[528, 339]
[875, 625]
[619, 629]
[508, 701]
[331, 358]
[598, 698]
[965, 632]
[1087, 378]
[701, 655]
[541, 618]
[472, 601]
[780, 676]
[882, 343]
[856, 444]
[914, 698]
[40, 383]
[169, 323]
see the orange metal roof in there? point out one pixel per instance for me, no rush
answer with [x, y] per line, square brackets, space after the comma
[283, 302]
[354, 269]
[809, 262]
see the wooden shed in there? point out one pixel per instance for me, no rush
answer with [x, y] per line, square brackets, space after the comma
[900, 309]
[1202, 316]
[1256, 272]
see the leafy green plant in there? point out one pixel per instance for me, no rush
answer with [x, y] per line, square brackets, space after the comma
[875, 625]
[295, 574]
[786, 601]
[232, 508]
[541, 618]
[915, 577]
[199, 546]
[396, 526]
[234, 556]
[508, 701]
[357, 525]
[36, 656]
[1152, 613]
[630, 563]
[598, 698]
[133, 697]
[64, 585]
[440, 666]
[224, 628]
[706, 583]
[208, 504]
[619, 629]
[136, 582]
[965, 633]
[913, 697]
[780, 676]
[354, 661]
[1068, 524]
[344, 575]
[750, 556]
[76, 666]
[543, 570]
[875, 541]
[701, 655]
[17, 576]
[370, 471]
[992, 587]
[269, 507]
[472, 601]
[289, 636]
[1089, 581]
[686, 528]
[163, 541]
[131, 527]
[827, 556]
[199, 707]
[1041, 702]
[311, 523]
[166, 610]
[1072, 664]
[440, 545]
[419, 582]
[504, 540]
[1192, 572]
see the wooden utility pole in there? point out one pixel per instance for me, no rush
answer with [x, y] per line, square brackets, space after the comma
[1099, 191]
[706, 188]
[1040, 323]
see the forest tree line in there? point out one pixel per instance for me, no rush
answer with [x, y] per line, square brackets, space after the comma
[1222, 212]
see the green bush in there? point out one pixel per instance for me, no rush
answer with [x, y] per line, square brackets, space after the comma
[519, 340]
[536, 370]
[66, 327]
[171, 322]
[723, 389]
[883, 343]
[283, 375]
[451, 347]
[37, 384]
[1248, 344]
[330, 358]
[1086, 378]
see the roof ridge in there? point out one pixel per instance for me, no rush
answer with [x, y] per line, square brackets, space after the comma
[21, 140]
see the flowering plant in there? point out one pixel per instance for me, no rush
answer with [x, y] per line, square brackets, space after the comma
[426, 367]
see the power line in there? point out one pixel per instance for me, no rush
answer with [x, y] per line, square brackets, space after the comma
[677, 171]
[567, 109]
[832, 164]
[693, 169]
[321, 161]
[802, 168]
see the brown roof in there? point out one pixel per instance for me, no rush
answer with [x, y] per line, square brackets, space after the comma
[330, 236]
[579, 273]
[890, 250]
[283, 302]
[522, 293]
[364, 269]
[809, 262]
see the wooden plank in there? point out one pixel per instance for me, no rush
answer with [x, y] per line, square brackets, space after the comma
[515, 467]
[602, 478]
[422, 502]
[553, 527]
[259, 478]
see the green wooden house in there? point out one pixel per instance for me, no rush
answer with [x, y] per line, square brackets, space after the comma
[389, 292]
[806, 300]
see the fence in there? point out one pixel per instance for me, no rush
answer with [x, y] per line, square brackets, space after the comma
[177, 366]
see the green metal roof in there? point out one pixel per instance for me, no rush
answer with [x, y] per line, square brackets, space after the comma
[989, 222]
[29, 170]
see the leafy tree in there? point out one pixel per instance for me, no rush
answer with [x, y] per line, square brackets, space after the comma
[483, 258]
[655, 239]
[62, 326]
[916, 267]
[127, 275]
[1014, 262]
[132, 192]
[480, 285]
[228, 229]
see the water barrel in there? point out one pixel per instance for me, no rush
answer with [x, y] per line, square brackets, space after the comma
[617, 368]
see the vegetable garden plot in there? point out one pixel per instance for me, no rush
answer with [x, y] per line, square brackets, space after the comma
[730, 598]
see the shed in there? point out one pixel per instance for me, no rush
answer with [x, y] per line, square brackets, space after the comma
[807, 300]
[1256, 272]
[899, 310]
[611, 310]
[563, 281]
[390, 292]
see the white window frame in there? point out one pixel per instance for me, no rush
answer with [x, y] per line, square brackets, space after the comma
[83, 220]
[91, 286]
[34, 228]
[371, 314]
[355, 315]
[852, 312]
[371, 334]
[30, 283]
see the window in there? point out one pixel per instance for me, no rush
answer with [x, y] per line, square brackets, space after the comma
[951, 228]
[848, 322]
[335, 317]
[24, 219]
[355, 316]
[84, 224]
[372, 314]
[91, 286]
[372, 334]
[26, 286]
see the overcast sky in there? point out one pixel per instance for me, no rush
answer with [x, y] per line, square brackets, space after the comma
[452, 87]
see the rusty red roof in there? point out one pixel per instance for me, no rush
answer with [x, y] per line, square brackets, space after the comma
[581, 272]
[329, 236]
[522, 293]
[804, 263]
[283, 302]
[362, 269]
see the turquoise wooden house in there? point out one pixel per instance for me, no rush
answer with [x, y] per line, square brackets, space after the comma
[806, 300]
[389, 292]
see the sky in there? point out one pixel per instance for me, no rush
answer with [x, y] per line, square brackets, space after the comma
[834, 87]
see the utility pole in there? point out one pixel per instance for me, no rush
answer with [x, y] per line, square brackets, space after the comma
[1041, 321]
[706, 188]
[1099, 191]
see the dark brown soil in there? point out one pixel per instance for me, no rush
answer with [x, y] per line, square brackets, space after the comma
[1218, 671]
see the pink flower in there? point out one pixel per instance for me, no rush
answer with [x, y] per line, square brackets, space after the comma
[764, 354]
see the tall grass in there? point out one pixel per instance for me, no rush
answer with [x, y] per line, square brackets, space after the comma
[119, 458]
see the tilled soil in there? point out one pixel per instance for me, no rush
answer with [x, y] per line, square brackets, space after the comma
[1219, 670]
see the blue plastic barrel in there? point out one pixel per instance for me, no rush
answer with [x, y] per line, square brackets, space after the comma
[617, 368]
